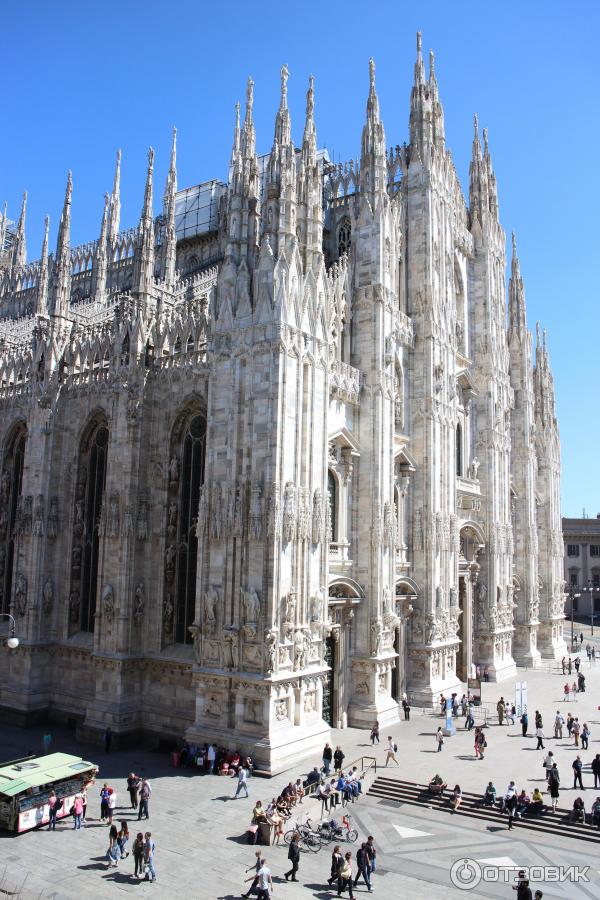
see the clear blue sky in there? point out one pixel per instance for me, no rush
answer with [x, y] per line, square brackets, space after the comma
[81, 79]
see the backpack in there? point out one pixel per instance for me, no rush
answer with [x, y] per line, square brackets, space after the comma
[395, 748]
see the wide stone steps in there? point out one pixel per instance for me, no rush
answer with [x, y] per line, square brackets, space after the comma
[412, 794]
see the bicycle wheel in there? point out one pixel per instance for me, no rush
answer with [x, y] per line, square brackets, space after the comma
[352, 836]
[313, 842]
[288, 836]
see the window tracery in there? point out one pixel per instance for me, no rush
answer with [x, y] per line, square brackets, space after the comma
[186, 477]
[344, 236]
[89, 496]
[10, 494]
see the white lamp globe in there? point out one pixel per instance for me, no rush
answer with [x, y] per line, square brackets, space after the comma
[13, 643]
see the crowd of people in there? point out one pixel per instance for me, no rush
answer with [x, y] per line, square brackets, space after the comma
[346, 869]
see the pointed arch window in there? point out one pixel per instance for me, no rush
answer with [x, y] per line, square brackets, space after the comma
[459, 449]
[125, 351]
[344, 236]
[186, 477]
[10, 492]
[89, 495]
[332, 488]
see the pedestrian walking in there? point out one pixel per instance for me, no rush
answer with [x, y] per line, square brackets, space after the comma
[511, 807]
[211, 758]
[406, 708]
[470, 716]
[84, 799]
[338, 758]
[104, 795]
[138, 855]
[577, 663]
[265, 881]
[362, 866]
[558, 724]
[524, 720]
[108, 736]
[375, 733]
[569, 666]
[345, 878]
[123, 839]
[596, 769]
[567, 691]
[585, 736]
[548, 762]
[581, 637]
[581, 683]
[577, 767]
[563, 663]
[253, 878]
[576, 730]
[133, 786]
[570, 721]
[540, 738]
[149, 851]
[327, 757]
[54, 805]
[574, 691]
[337, 861]
[112, 802]
[538, 719]
[242, 784]
[554, 783]
[77, 811]
[390, 751]
[145, 794]
[486, 674]
[439, 737]
[294, 857]
[480, 742]
[372, 852]
[500, 709]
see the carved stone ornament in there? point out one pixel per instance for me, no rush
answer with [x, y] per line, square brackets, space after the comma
[290, 513]
[47, 597]
[281, 710]
[139, 604]
[250, 605]
[38, 516]
[141, 522]
[212, 708]
[270, 651]
[20, 594]
[168, 611]
[108, 603]
[210, 612]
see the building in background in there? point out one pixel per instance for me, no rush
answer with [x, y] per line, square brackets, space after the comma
[582, 567]
[281, 453]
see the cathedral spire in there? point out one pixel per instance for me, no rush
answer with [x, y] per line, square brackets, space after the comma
[115, 202]
[309, 140]
[439, 133]
[478, 195]
[144, 252]
[170, 258]
[491, 177]
[373, 159]
[235, 152]
[419, 64]
[19, 254]
[61, 273]
[101, 254]
[248, 142]
[543, 382]
[516, 295]
[42, 291]
[283, 128]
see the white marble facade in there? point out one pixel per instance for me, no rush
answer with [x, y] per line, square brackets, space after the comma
[279, 454]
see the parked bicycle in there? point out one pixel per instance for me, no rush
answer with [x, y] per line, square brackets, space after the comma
[310, 839]
[337, 831]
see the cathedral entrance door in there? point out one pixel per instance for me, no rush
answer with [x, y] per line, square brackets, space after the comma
[329, 683]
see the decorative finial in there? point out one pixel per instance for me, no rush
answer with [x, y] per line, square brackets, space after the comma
[372, 73]
[174, 150]
[249, 95]
[237, 114]
[310, 97]
[419, 43]
[284, 77]
[431, 64]
[150, 158]
[514, 244]
[485, 141]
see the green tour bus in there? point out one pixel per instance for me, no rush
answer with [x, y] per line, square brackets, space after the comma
[25, 786]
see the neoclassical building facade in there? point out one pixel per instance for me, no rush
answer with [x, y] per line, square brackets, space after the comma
[280, 453]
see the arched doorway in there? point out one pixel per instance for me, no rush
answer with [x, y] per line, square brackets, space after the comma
[344, 596]
[471, 543]
[406, 595]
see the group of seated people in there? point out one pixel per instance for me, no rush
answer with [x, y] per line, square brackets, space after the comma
[437, 785]
[578, 812]
[219, 761]
[348, 787]
[278, 811]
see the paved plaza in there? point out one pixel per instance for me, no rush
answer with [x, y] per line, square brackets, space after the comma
[200, 830]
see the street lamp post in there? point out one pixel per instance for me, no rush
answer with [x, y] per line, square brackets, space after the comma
[593, 590]
[12, 641]
[573, 595]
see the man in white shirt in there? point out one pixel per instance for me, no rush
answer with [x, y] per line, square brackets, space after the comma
[558, 725]
[211, 756]
[242, 784]
[265, 881]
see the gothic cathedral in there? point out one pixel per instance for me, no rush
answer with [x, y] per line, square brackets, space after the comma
[279, 455]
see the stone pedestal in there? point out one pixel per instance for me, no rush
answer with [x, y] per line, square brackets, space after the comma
[550, 639]
[525, 651]
[371, 693]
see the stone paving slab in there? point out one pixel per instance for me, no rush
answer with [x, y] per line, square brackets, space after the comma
[200, 830]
